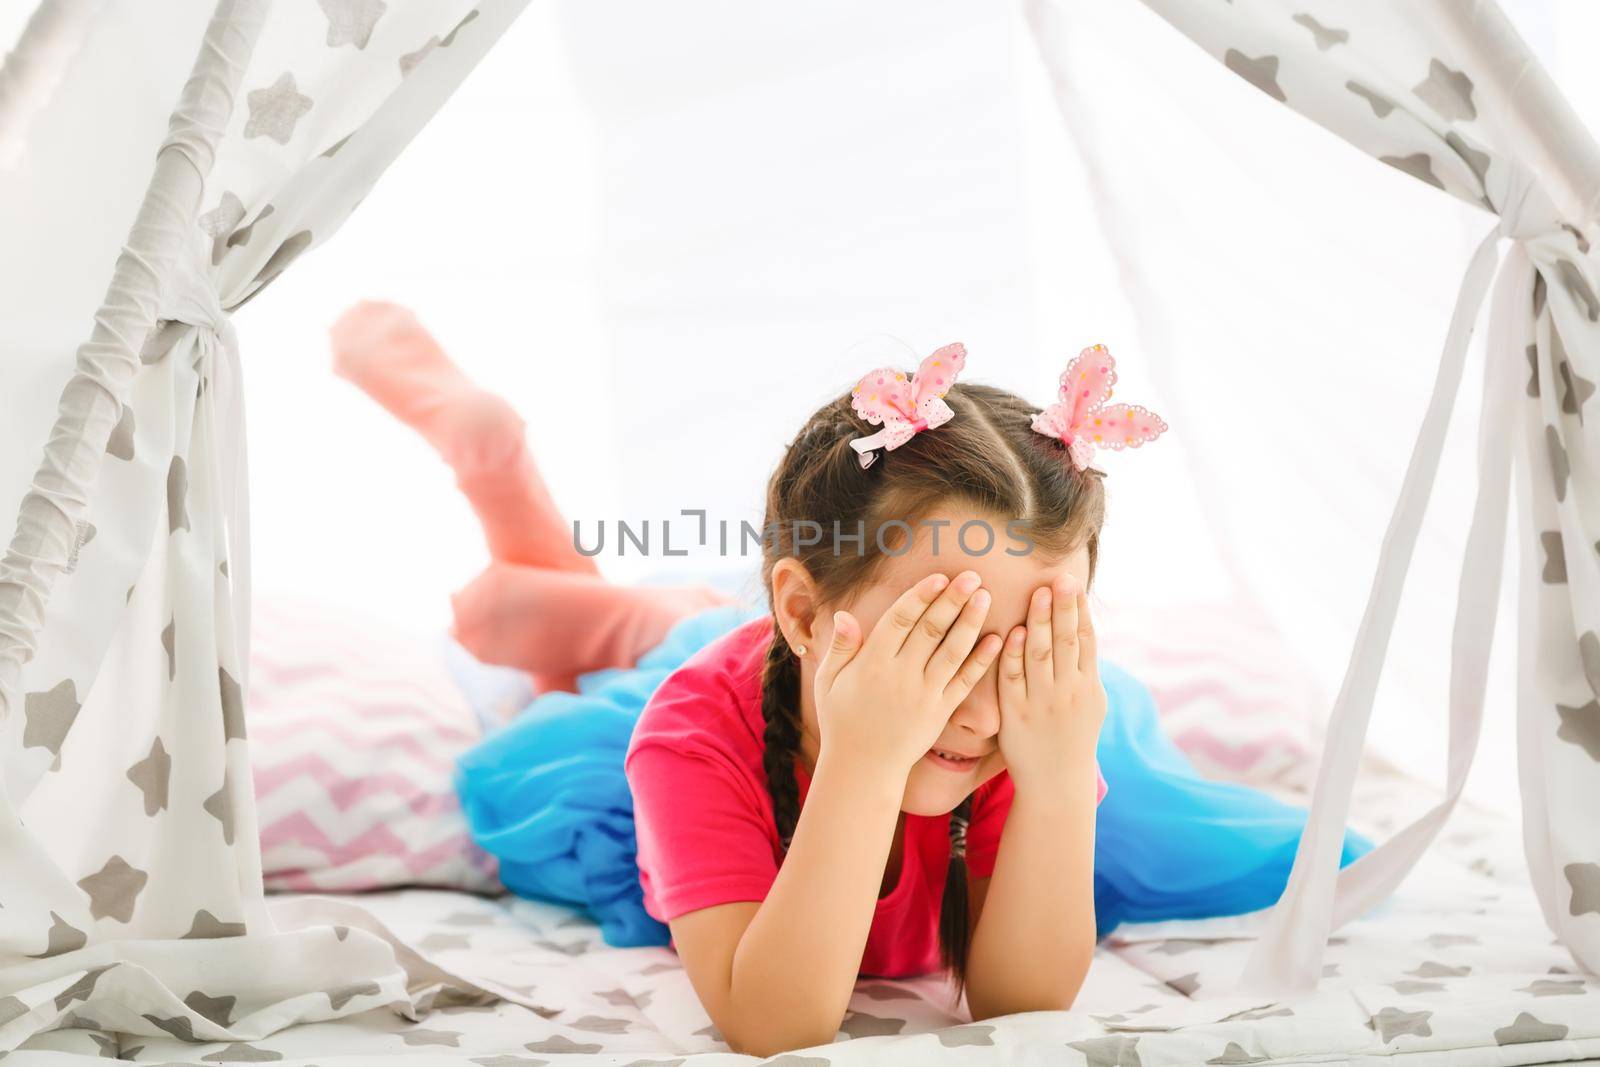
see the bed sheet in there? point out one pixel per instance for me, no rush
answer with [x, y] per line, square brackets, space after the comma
[1457, 968]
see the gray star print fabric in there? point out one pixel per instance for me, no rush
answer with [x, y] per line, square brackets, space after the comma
[130, 881]
[1457, 968]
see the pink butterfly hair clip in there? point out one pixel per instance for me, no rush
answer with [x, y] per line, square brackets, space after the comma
[1083, 421]
[904, 408]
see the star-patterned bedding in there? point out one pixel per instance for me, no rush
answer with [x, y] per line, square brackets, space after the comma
[1457, 968]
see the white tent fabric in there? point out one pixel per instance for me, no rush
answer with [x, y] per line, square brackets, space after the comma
[124, 596]
[1449, 94]
[34, 68]
[127, 829]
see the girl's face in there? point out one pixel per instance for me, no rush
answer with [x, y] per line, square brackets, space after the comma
[933, 786]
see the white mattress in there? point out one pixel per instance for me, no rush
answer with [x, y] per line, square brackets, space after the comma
[1457, 968]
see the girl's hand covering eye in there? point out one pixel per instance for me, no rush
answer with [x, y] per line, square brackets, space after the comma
[886, 700]
[1051, 701]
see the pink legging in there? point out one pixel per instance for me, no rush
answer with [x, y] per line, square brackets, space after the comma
[539, 605]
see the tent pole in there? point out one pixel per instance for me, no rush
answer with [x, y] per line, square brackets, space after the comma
[92, 401]
[34, 68]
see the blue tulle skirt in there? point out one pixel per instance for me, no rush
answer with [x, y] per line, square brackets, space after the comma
[546, 794]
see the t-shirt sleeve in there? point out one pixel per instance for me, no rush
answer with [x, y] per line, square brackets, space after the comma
[703, 837]
[989, 809]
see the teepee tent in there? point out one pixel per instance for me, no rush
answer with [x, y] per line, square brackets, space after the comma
[132, 868]
[132, 881]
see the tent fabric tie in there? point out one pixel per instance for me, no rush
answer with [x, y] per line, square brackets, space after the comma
[190, 298]
[1320, 895]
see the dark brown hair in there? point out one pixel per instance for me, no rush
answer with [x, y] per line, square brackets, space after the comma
[988, 458]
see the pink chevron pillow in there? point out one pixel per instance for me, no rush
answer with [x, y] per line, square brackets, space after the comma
[1230, 692]
[354, 727]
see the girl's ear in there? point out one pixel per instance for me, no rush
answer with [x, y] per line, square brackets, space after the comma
[795, 602]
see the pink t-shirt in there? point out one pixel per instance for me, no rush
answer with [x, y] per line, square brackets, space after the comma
[704, 819]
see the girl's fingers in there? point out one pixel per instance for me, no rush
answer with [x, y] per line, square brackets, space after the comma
[842, 648]
[1038, 651]
[1088, 651]
[973, 670]
[1013, 673]
[1064, 622]
[934, 626]
[954, 650]
[891, 630]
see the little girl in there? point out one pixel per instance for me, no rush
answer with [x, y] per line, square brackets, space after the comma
[897, 764]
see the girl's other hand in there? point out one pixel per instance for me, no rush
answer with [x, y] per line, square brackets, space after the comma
[1052, 704]
[886, 700]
